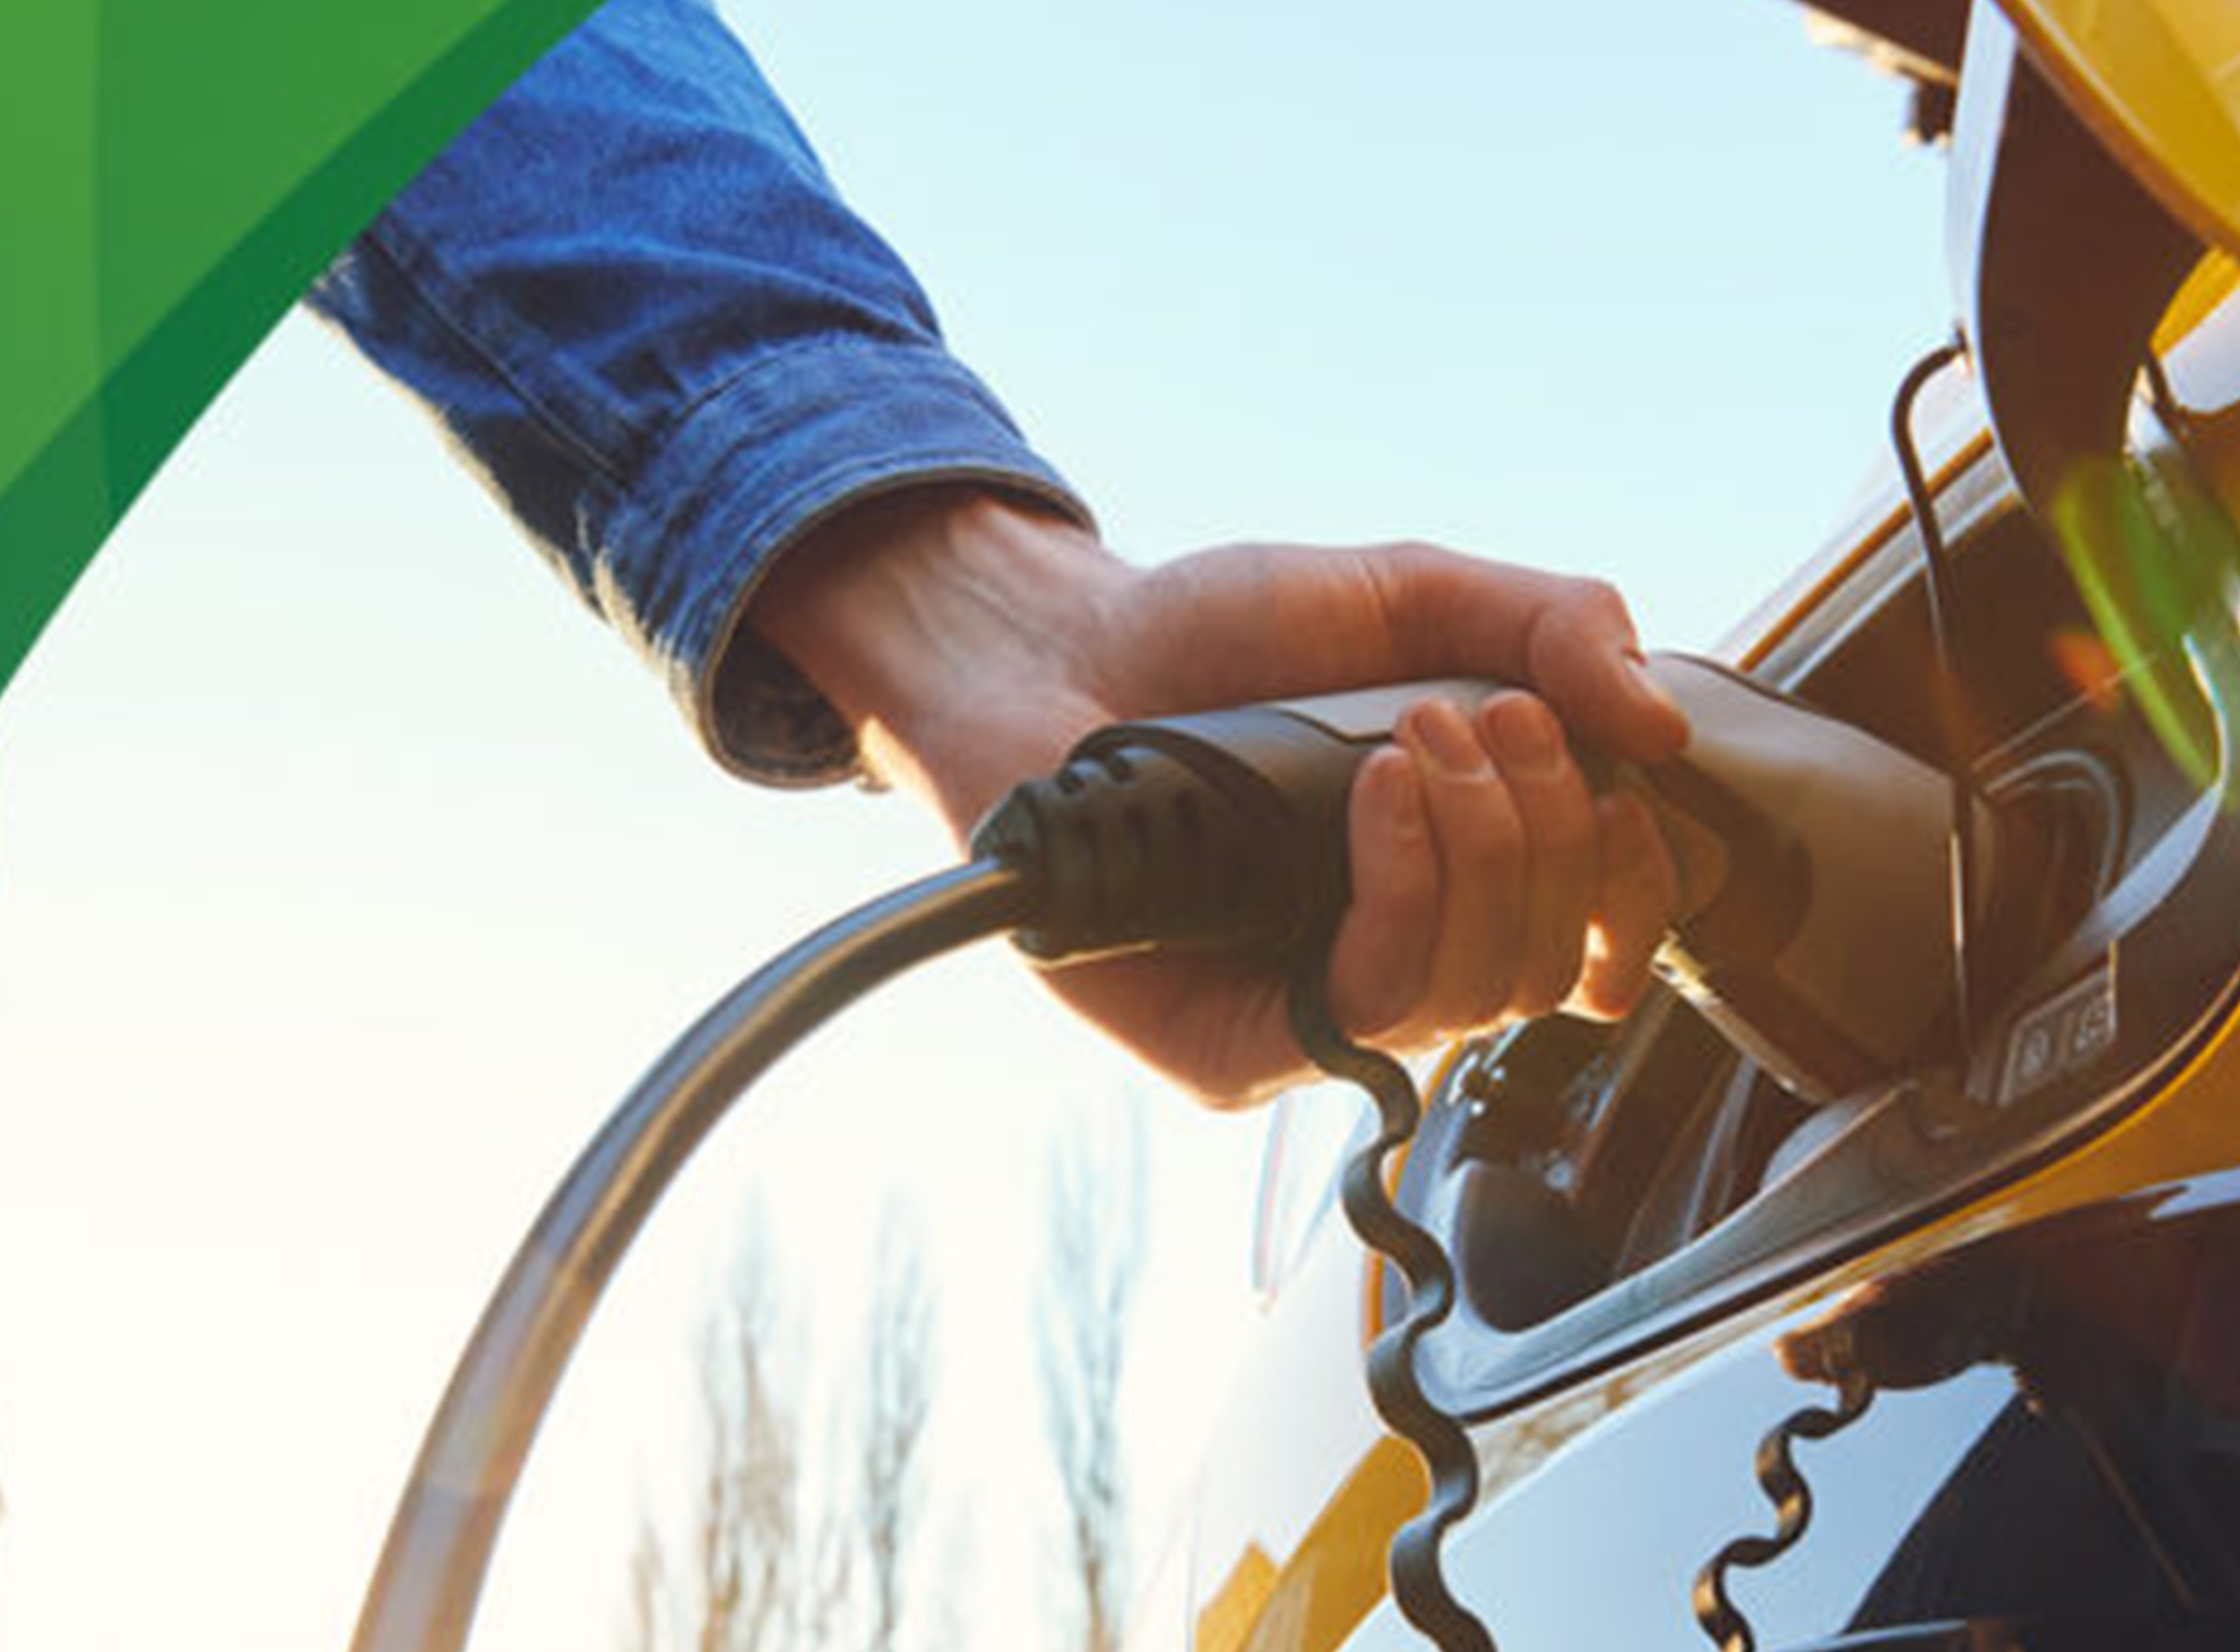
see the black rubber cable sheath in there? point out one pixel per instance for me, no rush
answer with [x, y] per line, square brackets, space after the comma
[423, 1596]
[1791, 1495]
[1418, 1575]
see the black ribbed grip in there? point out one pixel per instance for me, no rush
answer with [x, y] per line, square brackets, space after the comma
[1221, 831]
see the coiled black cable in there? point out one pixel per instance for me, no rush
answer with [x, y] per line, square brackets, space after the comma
[1791, 1495]
[1419, 1585]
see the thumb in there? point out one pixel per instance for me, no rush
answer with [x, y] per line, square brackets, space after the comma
[1242, 623]
[1569, 639]
[1581, 656]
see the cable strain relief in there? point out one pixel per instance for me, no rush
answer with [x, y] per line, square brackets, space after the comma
[1128, 846]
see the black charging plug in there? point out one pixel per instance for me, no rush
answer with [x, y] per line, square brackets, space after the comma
[1222, 831]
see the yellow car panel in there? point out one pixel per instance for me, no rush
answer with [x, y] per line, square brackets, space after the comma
[2159, 83]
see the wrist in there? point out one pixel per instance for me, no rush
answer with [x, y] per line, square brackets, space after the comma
[954, 628]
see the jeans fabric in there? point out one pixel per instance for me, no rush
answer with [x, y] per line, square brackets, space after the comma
[632, 296]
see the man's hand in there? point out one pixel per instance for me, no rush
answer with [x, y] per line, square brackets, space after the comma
[972, 639]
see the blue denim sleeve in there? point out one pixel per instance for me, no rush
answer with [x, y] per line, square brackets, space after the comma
[632, 296]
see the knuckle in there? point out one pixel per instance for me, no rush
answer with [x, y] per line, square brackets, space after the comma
[1562, 864]
[1489, 1001]
[1597, 599]
[1530, 1004]
[1493, 840]
[1566, 834]
[1545, 996]
[1560, 966]
[1612, 995]
[1583, 614]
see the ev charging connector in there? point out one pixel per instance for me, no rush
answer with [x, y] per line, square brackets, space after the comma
[1818, 930]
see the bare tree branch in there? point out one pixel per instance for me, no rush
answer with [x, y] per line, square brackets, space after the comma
[1095, 1235]
[898, 1397]
[763, 1565]
[747, 1582]
[648, 1624]
[747, 1531]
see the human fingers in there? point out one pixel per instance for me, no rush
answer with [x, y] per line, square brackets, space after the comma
[1640, 897]
[1381, 953]
[1482, 852]
[1561, 842]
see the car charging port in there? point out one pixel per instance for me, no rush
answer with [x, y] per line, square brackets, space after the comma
[2058, 826]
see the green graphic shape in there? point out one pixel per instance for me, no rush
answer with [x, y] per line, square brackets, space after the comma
[173, 173]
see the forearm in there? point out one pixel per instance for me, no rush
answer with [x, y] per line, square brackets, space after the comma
[959, 630]
[631, 294]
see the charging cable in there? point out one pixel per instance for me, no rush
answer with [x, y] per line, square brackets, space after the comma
[1220, 831]
[423, 1592]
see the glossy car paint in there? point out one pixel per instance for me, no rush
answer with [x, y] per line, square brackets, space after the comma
[2153, 80]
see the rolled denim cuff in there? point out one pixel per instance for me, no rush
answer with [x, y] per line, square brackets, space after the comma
[809, 429]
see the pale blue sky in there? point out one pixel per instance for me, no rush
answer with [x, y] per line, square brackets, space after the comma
[1622, 284]
[347, 874]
